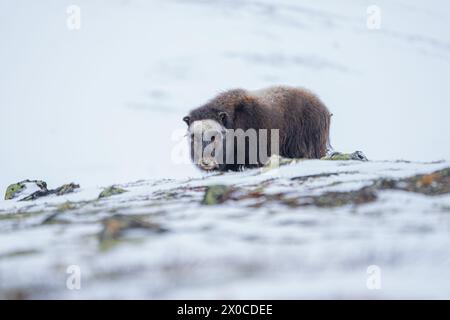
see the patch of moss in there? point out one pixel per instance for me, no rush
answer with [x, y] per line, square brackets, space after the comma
[20, 215]
[13, 189]
[321, 175]
[110, 191]
[339, 156]
[115, 226]
[19, 253]
[67, 188]
[435, 183]
[216, 194]
[68, 205]
[337, 199]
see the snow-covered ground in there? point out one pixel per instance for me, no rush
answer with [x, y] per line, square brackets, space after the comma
[103, 105]
[268, 240]
[99, 105]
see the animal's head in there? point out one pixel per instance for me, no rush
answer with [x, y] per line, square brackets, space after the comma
[207, 130]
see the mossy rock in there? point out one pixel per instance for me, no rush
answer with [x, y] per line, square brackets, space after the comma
[114, 228]
[338, 156]
[216, 194]
[110, 191]
[66, 206]
[15, 189]
[67, 188]
[436, 183]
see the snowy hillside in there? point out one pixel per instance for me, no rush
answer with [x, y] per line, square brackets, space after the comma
[312, 229]
[101, 104]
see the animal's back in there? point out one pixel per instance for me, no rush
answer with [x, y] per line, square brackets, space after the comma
[305, 119]
[301, 119]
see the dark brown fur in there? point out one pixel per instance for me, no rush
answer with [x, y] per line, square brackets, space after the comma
[303, 120]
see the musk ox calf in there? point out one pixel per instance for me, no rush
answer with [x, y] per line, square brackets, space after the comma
[240, 128]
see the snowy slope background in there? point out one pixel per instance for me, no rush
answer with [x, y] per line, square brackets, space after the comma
[103, 105]
[100, 105]
[311, 229]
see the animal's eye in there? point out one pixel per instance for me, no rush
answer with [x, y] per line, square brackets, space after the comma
[213, 138]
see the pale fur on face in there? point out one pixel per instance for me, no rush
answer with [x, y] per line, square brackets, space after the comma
[200, 130]
[200, 126]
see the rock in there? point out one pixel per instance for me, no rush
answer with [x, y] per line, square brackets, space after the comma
[67, 188]
[33, 189]
[25, 188]
[435, 183]
[110, 191]
[320, 175]
[114, 228]
[276, 160]
[338, 156]
[14, 190]
[216, 194]
[358, 155]
[337, 199]
[66, 206]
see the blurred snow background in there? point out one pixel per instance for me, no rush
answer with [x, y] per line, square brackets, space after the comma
[99, 105]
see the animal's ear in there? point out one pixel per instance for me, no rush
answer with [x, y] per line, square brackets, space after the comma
[223, 116]
[187, 119]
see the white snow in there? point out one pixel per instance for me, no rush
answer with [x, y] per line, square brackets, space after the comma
[104, 104]
[234, 250]
[100, 105]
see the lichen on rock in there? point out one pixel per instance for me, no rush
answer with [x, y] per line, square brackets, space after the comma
[339, 156]
[17, 189]
[276, 160]
[216, 194]
[110, 191]
[115, 226]
[13, 190]
[67, 188]
[37, 189]
[435, 183]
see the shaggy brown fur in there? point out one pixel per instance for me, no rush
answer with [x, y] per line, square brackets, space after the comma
[303, 120]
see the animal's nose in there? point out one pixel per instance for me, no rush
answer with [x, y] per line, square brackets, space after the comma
[208, 163]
